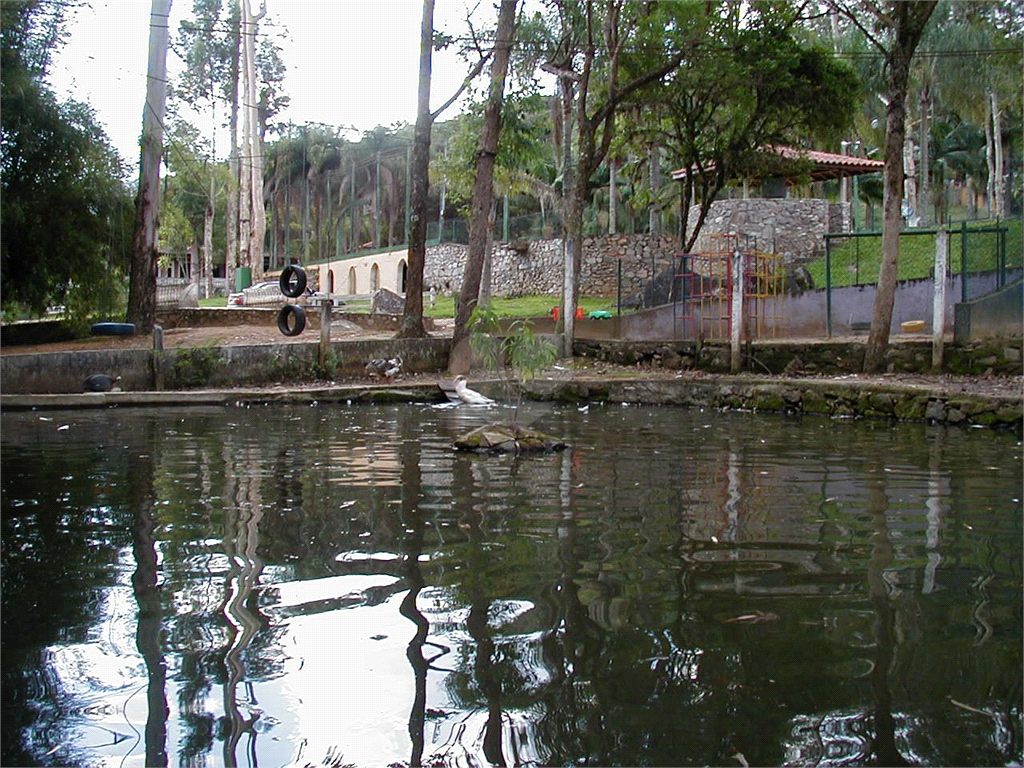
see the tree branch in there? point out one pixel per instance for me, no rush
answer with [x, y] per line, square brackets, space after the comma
[470, 77]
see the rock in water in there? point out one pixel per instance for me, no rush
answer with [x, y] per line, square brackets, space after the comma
[507, 438]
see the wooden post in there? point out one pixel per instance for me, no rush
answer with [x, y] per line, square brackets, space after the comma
[939, 298]
[736, 329]
[158, 357]
[325, 329]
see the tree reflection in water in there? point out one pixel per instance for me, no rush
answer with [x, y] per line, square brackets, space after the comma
[241, 541]
[141, 499]
[702, 588]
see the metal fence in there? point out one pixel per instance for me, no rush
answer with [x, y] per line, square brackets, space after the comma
[983, 256]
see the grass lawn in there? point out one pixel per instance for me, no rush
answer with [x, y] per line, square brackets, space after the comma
[520, 306]
[444, 306]
[856, 261]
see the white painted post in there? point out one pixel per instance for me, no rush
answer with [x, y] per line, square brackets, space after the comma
[939, 298]
[736, 358]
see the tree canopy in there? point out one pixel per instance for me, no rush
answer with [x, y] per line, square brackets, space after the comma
[66, 214]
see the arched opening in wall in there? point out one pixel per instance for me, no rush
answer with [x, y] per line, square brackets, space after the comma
[330, 281]
[374, 278]
[403, 275]
[352, 280]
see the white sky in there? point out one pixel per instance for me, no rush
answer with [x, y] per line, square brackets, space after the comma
[349, 62]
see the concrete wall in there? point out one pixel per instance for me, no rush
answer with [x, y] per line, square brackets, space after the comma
[805, 315]
[998, 314]
[198, 368]
[362, 274]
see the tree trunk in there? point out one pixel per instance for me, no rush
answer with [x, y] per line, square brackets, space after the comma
[910, 178]
[484, 297]
[572, 220]
[412, 317]
[924, 171]
[910, 21]
[483, 184]
[259, 212]
[612, 201]
[208, 290]
[654, 213]
[998, 187]
[253, 221]
[142, 272]
[234, 173]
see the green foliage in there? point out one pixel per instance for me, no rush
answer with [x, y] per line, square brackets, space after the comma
[329, 368]
[522, 351]
[66, 215]
[194, 367]
[98, 293]
[746, 81]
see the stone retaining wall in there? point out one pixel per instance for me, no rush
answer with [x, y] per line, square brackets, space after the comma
[836, 399]
[794, 227]
[535, 266]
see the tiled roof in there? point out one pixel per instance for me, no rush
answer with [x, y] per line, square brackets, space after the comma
[826, 165]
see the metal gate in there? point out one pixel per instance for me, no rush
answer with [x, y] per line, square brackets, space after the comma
[703, 296]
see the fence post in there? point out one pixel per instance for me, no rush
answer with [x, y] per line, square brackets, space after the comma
[325, 330]
[828, 286]
[939, 298]
[735, 331]
[963, 261]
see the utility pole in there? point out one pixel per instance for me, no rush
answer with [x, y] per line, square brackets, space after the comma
[142, 273]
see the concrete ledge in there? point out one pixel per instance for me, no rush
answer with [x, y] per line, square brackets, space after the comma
[834, 398]
[189, 368]
[399, 393]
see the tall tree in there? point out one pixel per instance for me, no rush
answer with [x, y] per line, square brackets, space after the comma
[483, 185]
[216, 52]
[746, 82]
[591, 92]
[253, 218]
[895, 29]
[142, 283]
[412, 317]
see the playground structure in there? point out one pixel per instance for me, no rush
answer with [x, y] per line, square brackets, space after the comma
[732, 280]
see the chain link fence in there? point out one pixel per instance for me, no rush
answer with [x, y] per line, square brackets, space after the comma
[982, 257]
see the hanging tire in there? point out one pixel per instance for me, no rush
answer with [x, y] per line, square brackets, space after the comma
[286, 325]
[292, 281]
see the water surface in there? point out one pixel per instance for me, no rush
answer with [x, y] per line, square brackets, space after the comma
[330, 585]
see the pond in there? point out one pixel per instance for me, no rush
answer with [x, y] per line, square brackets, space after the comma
[335, 585]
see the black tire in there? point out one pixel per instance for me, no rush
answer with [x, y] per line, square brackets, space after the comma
[285, 315]
[293, 281]
[113, 329]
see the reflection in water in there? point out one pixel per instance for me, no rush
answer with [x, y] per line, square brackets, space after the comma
[147, 594]
[241, 539]
[331, 586]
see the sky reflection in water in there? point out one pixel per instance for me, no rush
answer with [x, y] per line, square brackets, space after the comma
[334, 585]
